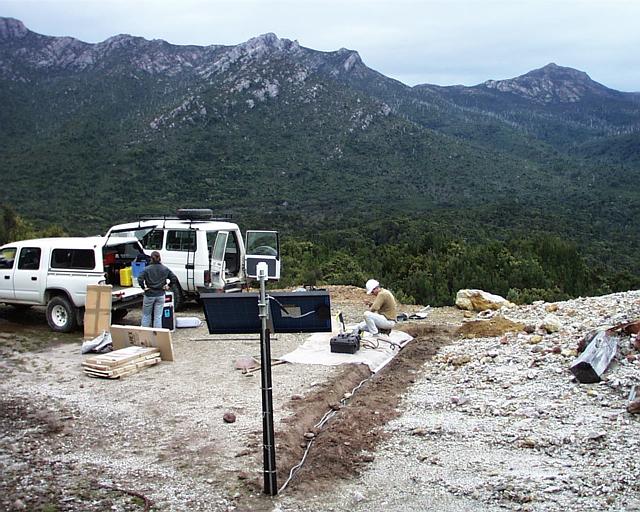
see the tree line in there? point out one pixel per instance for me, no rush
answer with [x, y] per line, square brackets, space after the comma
[426, 265]
[14, 227]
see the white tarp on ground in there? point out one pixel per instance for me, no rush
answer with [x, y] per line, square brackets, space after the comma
[317, 350]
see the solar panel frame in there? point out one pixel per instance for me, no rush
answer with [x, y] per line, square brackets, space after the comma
[237, 313]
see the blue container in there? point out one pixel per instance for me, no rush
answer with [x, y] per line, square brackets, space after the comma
[136, 268]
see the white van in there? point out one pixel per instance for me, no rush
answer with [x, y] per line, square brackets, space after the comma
[55, 272]
[205, 253]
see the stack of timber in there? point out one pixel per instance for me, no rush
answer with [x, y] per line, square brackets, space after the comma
[121, 363]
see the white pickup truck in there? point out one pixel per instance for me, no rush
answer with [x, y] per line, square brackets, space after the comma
[55, 272]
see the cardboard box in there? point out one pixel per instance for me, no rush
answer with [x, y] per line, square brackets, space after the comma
[123, 336]
[97, 310]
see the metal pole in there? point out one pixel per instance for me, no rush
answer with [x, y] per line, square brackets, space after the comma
[268, 434]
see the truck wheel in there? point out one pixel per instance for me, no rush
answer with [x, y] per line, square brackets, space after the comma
[178, 299]
[61, 315]
[119, 314]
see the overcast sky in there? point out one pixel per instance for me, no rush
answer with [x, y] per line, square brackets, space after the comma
[442, 42]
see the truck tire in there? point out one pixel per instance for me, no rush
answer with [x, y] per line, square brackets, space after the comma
[119, 314]
[195, 214]
[61, 314]
[178, 298]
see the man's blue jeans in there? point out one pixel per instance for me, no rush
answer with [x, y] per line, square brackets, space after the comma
[152, 306]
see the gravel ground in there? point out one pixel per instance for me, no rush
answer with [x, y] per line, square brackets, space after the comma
[161, 425]
[491, 423]
[499, 423]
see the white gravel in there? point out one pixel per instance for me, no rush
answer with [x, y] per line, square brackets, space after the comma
[511, 429]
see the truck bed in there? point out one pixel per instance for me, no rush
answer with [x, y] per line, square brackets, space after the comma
[126, 296]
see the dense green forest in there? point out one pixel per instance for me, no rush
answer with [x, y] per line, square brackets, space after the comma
[424, 263]
[13, 227]
[529, 190]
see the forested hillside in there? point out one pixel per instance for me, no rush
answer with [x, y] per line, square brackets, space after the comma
[527, 187]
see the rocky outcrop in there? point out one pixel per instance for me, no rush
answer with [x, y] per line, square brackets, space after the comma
[39, 52]
[479, 300]
[11, 28]
[551, 83]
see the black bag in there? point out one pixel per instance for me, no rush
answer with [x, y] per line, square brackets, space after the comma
[345, 343]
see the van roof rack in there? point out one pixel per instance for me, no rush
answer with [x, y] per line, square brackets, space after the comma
[190, 214]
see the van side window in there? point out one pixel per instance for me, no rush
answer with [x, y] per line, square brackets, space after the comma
[7, 256]
[29, 258]
[181, 240]
[231, 255]
[152, 241]
[211, 241]
[73, 258]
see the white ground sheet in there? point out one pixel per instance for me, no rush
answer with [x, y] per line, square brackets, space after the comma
[317, 350]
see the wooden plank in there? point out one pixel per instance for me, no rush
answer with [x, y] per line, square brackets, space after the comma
[97, 310]
[98, 366]
[125, 370]
[121, 356]
[128, 335]
[126, 374]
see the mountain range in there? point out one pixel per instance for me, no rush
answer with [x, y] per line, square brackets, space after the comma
[287, 136]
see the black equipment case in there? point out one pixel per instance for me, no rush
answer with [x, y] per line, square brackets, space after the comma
[345, 343]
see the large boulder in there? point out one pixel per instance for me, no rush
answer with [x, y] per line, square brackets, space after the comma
[551, 323]
[479, 300]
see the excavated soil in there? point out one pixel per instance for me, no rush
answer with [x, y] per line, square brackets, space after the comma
[350, 437]
[495, 326]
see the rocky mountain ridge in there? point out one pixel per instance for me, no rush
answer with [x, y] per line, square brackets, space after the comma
[257, 70]
[260, 66]
[552, 83]
[25, 49]
[271, 126]
[547, 84]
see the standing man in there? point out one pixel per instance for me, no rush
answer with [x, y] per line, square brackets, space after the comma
[153, 280]
[382, 313]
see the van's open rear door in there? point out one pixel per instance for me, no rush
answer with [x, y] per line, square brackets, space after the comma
[263, 246]
[217, 264]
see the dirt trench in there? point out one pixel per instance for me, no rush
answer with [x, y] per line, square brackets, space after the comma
[343, 446]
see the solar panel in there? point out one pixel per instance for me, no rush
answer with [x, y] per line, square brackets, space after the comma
[300, 311]
[232, 313]
[237, 313]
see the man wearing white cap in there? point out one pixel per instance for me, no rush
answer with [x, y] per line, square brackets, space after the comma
[382, 313]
